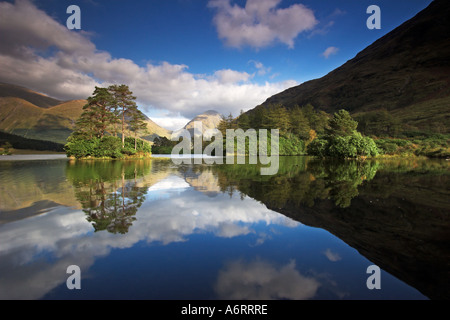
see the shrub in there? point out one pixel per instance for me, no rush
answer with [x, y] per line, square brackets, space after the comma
[79, 147]
[318, 148]
[109, 147]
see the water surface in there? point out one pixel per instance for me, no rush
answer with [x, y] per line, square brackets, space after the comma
[148, 229]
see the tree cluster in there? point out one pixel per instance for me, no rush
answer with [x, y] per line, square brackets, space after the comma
[304, 130]
[101, 130]
[342, 140]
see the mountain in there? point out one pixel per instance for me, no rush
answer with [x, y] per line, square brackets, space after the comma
[209, 119]
[21, 117]
[406, 72]
[155, 130]
[33, 115]
[38, 99]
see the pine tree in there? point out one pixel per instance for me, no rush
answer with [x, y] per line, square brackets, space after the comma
[342, 124]
[244, 121]
[96, 116]
[136, 122]
[299, 124]
[124, 100]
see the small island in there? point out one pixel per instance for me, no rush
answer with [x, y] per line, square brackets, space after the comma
[101, 131]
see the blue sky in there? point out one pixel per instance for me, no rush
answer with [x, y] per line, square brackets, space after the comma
[183, 57]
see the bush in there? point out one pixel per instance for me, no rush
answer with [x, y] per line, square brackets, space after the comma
[291, 146]
[79, 147]
[318, 148]
[109, 147]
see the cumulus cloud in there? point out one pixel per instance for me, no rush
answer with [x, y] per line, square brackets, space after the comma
[330, 51]
[40, 53]
[260, 23]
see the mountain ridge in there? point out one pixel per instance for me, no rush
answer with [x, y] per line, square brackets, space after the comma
[407, 67]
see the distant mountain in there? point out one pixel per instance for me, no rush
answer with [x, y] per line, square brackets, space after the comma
[20, 117]
[209, 119]
[33, 115]
[155, 130]
[36, 98]
[406, 72]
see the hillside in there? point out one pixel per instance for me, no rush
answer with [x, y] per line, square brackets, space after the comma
[406, 72]
[25, 119]
[155, 130]
[35, 98]
[33, 115]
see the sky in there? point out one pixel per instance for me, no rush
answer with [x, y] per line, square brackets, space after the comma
[184, 57]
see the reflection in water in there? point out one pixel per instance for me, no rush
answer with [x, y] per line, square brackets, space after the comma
[109, 192]
[395, 213]
[226, 230]
[261, 280]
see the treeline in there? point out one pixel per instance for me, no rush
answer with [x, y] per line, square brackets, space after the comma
[108, 116]
[9, 141]
[305, 130]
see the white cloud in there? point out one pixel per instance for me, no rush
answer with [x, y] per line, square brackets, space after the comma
[261, 280]
[261, 23]
[39, 53]
[330, 51]
[332, 256]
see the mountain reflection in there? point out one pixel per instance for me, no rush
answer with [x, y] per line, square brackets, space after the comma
[395, 212]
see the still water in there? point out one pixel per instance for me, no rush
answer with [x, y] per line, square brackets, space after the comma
[149, 229]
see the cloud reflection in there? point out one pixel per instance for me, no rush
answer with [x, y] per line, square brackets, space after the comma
[35, 252]
[261, 280]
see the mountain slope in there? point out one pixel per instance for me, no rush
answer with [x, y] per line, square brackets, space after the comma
[38, 99]
[209, 119]
[33, 115]
[23, 118]
[405, 72]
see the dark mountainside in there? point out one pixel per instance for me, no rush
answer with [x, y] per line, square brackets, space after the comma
[39, 100]
[406, 72]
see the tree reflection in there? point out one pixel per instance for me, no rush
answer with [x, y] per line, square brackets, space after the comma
[109, 191]
[300, 181]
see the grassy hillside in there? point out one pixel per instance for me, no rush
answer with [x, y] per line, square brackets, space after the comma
[406, 72]
[22, 118]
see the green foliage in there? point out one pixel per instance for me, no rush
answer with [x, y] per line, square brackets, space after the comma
[291, 146]
[79, 147]
[342, 140]
[342, 124]
[162, 145]
[18, 142]
[108, 147]
[318, 148]
[103, 111]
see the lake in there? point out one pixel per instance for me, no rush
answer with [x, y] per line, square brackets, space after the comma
[149, 229]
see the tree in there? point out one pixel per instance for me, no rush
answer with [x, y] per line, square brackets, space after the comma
[96, 115]
[299, 124]
[342, 140]
[244, 121]
[342, 124]
[136, 122]
[124, 100]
